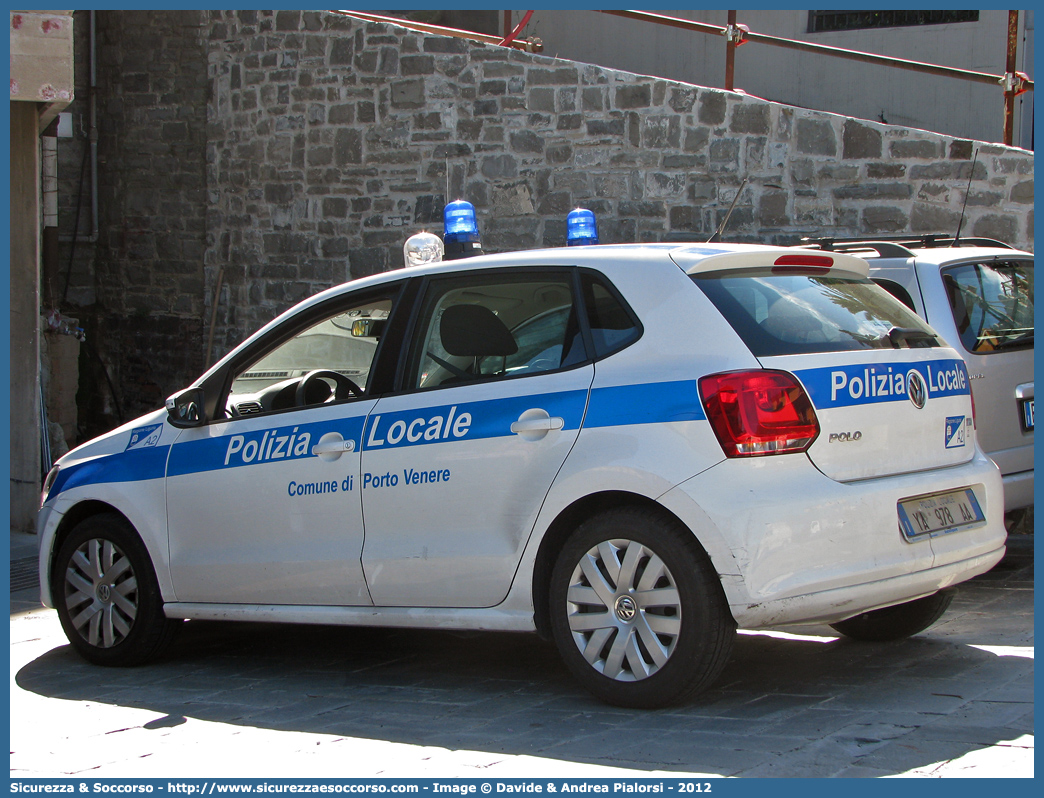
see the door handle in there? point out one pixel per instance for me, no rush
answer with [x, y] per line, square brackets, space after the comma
[535, 423]
[331, 446]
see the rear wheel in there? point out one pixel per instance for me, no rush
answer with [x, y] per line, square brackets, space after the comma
[637, 611]
[895, 623]
[106, 594]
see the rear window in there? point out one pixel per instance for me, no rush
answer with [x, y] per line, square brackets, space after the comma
[992, 304]
[785, 314]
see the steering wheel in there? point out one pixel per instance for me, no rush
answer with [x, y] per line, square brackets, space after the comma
[343, 387]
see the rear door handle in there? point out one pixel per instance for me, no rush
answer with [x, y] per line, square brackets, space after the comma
[535, 423]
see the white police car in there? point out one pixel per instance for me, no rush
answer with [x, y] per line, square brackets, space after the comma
[633, 449]
[978, 294]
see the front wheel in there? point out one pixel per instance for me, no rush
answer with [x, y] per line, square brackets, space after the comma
[637, 611]
[106, 594]
[897, 622]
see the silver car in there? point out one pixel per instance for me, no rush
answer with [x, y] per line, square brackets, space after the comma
[978, 294]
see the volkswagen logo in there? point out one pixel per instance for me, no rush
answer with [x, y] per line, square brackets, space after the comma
[626, 609]
[915, 389]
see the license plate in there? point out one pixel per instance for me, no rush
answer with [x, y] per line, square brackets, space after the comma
[937, 515]
[1027, 415]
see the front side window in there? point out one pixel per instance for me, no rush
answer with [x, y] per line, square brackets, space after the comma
[784, 314]
[330, 360]
[477, 327]
[992, 304]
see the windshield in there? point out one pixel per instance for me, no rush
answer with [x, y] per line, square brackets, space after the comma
[992, 304]
[784, 314]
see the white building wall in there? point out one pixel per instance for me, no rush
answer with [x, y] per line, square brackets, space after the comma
[954, 107]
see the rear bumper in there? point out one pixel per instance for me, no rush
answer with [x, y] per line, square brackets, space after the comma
[830, 606]
[805, 548]
[1018, 490]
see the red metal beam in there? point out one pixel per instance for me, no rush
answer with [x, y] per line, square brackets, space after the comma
[529, 46]
[821, 49]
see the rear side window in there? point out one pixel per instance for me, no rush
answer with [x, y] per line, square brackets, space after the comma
[784, 314]
[897, 291]
[613, 325]
[992, 304]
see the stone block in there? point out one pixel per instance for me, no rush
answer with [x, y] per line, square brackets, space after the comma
[287, 20]
[347, 147]
[556, 204]
[725, 151]
[1002, 227]
[335, 207]
[878, 171]
[696, 139]
[772, 209]
[408, 93]
[541, 99]
[593, 99]
[686, 217]
[907, 149]
[815, 136]
[925, 218]
[626, 97]
[859, 141]
[495, 88]
[659, 184]
[342, 53]
[661, 132]
[569, 122]
[445, 44]
[559, 153]
[553, 77]
[884, 219]
[416, 65]
[863, 191]
[682, 100]
[960, 150]
[498, 167]
[605, 127]
[1022, 193]
[279, 193]
[712, 108]
[526, 141]
[750, 118]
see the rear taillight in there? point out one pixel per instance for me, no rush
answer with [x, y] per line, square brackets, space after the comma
[757, 413]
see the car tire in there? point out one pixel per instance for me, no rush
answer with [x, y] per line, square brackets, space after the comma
[637, 611]
[897, 622]
[106, 594]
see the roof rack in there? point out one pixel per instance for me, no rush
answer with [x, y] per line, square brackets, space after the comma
[898, 246]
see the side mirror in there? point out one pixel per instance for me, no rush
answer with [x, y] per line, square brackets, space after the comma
[185, 409]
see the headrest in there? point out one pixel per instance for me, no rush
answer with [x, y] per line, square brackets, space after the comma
[475, 331]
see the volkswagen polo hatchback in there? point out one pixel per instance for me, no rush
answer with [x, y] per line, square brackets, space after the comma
[978, 294]
[629, 449]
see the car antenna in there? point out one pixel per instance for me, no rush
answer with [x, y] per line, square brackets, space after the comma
[957, 237]
[725, 221]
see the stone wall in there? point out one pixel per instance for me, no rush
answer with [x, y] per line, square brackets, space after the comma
[314, 144]
[332, 140]
[138, 291]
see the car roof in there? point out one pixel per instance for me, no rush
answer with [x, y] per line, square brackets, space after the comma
[691, 258]
[944, 255]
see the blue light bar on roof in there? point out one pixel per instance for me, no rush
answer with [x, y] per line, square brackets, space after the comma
[581, 228]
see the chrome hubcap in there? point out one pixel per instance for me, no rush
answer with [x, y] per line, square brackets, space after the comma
[624, 610]
[101, 593]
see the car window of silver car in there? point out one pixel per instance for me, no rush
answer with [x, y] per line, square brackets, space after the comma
[992, 304]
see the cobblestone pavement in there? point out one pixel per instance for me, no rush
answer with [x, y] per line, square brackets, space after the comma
[260, 700]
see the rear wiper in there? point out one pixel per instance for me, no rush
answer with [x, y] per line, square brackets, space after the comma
[912, 336]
